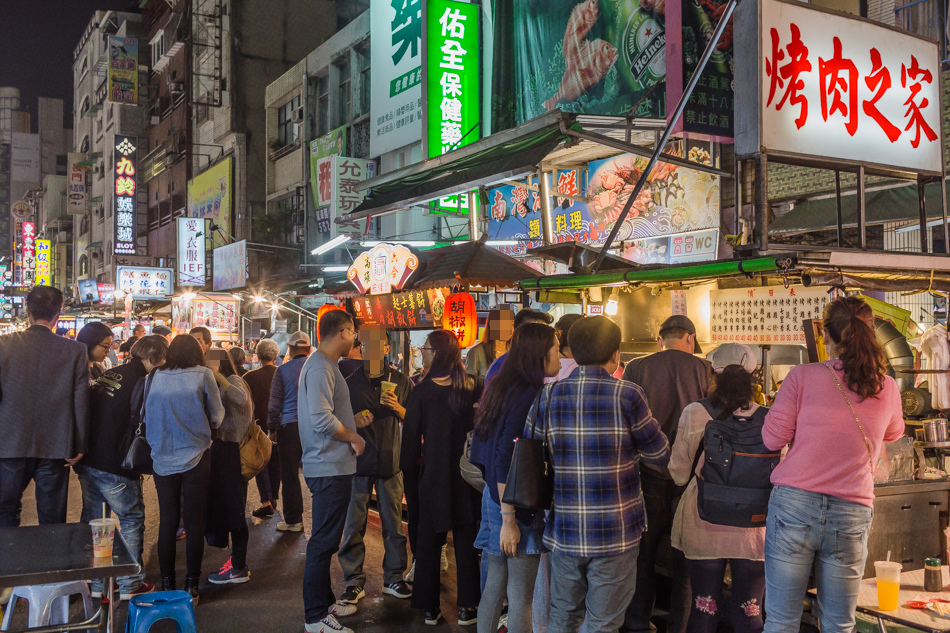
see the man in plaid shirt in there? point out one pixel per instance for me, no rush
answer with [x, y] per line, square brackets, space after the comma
[597, 428]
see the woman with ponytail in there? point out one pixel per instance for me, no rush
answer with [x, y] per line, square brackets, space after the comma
[836, 415]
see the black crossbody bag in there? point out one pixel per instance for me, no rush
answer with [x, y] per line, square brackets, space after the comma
[138, 458]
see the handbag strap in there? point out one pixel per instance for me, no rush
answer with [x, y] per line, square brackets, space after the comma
[867, 443]
[148, 386]
[546, 394]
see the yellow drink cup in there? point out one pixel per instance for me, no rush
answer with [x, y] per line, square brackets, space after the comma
[888, 577]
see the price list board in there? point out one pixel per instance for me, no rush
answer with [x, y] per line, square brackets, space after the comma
[771, 315]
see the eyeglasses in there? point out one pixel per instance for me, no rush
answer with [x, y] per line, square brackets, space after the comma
[429, 349]
[105, 347]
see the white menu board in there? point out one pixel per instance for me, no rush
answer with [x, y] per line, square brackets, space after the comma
[764, 315]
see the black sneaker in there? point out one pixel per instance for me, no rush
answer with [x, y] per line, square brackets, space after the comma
[264, 512]
[352, 595]
[400, 589]
[433, 617]
[468, 616]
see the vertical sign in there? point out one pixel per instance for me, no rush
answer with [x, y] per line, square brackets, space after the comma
[28, 232]
[75, 185]
[452, 100]
[452, 83]
[123, 70]
[396, 80]
[332, 143]
[191, 252]
[44, 276]
[124, 169]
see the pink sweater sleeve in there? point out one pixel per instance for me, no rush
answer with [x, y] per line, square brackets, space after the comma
[895, 428]
[779, 427]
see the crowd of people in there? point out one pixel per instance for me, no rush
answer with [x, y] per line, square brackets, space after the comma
[627, 444]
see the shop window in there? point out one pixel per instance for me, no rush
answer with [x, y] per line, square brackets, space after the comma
[85, 68]
[158, 47]
[363, 59]
[343, 116]
[323, 105]
[287, 128]
[83, 265]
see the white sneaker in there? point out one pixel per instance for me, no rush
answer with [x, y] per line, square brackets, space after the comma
[342, 609]
[283, 526]
[445, 558]
[328, 624]
[412, 572]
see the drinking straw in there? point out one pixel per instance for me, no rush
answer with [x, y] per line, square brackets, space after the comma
[888, 553]
[104, 516]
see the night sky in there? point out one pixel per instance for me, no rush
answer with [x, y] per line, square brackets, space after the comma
[37, 39]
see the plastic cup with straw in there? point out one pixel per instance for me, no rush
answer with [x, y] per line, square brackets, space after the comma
[888, 577]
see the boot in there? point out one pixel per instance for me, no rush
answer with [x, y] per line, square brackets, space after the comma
[168, 583]
[191, 587]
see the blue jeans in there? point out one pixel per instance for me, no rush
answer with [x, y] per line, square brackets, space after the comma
[124, 497]
[804, 528]
[331, 498]
[51, 477]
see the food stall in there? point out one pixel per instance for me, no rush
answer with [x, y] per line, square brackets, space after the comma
[219, 312]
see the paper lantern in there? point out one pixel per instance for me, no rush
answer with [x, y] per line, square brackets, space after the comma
[327, 307]
[460, 318]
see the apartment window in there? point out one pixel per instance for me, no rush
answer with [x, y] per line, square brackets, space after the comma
[85, 68]
[83, 265]
[323, 105]
[343, 67]
[286, 126]
[84, 146]
[84, 108]
[364, 94]
[158, 47]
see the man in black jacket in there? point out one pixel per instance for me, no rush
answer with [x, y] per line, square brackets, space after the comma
[378, 466]
[113, 418]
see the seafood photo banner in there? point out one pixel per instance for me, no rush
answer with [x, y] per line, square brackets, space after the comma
[604, 57]
[674, 200]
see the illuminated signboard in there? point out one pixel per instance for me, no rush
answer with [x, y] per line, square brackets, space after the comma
[28, 233]
[140, 282]
[44, 271]
[191, 252]
[124, 204]
[76, 185]
[452, 82]
[382, 269]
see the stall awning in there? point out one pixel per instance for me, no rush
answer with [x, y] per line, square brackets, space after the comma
[504, 156]
[888, 205]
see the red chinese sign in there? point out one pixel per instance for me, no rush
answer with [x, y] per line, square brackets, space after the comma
[838, 87]
[415, 309]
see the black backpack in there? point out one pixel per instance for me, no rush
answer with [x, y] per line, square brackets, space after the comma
[735, 482]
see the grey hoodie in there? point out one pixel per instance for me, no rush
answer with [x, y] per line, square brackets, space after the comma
[323, 408]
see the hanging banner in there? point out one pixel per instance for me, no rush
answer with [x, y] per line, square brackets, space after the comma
[230, 266]
[75, 185]
[124, 202]
[764, 315]
[44, 270]
[674, 200]
[591, 57]
[396, 80]
[341, 181]
[332, 143]
[123, 70]
[106, 293]
[88, 291]
[452, 99]
[210, 196]
[139, 282]
[25, 158]
[28, 246]
[689, 27]
[382, 269]
[825, 85]
[191, 252]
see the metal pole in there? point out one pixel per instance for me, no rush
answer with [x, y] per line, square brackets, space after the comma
[544, 190]
[922, 210]
[862, 210]
[738, 195]
[761, 227]
[766, 369]
[677, 113]
[838, 208]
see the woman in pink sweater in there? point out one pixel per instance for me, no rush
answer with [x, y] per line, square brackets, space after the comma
[836, 415]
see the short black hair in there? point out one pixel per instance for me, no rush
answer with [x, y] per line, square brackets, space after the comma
[594, 340]
[333, 321]
[674, 333]
[152, 348]
[184, 352]
[564, 325]
[204, 332]
[92, 334]
[44, 303]
[526, 315]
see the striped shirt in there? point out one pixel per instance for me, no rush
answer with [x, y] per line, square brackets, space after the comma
[597, 428]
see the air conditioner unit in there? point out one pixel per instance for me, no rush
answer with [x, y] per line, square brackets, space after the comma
[297, 115]
[176, 87]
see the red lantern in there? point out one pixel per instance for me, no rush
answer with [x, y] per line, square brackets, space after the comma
[327, 307]
[459, 317]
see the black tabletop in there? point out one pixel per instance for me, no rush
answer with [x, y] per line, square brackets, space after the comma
[57, 553]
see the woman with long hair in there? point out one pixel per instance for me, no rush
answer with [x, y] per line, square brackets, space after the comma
[227, 490]
[182, 406]
[709, 547]
[493, 344]
[97, 337]
[836, 415]
[510, 547]
[440, 413]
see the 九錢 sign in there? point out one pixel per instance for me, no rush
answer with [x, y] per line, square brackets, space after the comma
[818, 84]
[124, 201]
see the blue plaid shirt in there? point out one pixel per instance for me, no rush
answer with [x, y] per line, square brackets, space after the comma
[597, 428]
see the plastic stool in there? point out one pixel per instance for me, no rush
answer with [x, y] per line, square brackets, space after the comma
[147, 609]
[49, 604]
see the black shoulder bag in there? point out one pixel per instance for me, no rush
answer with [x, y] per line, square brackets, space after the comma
[138, 458]
[530, 481]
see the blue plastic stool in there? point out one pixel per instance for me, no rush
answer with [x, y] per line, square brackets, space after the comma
[147, 609]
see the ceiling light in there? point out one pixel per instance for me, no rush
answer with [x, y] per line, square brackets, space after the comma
[613, 302]
[336, 241]
[335, 269]
[502, 243]
[418, 243]
[188, 296]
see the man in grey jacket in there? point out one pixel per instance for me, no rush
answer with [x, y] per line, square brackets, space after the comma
[39, 442]
[330, 446]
